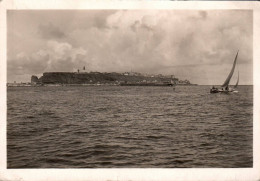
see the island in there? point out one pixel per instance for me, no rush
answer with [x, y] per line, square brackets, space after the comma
[103, 78]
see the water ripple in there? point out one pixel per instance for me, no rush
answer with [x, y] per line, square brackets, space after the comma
[107, 126]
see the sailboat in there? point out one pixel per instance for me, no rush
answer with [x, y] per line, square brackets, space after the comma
[225, 88]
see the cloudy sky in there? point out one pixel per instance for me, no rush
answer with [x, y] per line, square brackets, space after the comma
[195, 45]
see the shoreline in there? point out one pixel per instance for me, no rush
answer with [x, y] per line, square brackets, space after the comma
[94, 85]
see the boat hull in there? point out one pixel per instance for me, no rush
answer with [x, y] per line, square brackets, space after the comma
[214, 91]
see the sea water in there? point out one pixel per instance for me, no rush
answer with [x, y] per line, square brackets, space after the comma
[125, 127]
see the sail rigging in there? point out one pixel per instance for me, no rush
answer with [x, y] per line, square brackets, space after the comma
[225, 84]
[237, 81]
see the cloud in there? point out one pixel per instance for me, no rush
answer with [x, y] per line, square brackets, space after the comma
[203, 14]
[57, 56]
[49, 31]
[63, 57]
[152, 41]
[28, 64]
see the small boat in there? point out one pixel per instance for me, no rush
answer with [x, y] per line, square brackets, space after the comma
[225, 88]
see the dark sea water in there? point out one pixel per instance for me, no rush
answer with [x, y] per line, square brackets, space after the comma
[113, 126]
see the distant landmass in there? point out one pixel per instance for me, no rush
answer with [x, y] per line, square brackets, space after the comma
[98, 78]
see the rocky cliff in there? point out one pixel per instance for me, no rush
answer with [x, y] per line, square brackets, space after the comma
[34, 79]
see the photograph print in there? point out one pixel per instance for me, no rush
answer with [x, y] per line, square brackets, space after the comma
[129, 88]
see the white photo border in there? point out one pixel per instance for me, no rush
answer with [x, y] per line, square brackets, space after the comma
[189, 174]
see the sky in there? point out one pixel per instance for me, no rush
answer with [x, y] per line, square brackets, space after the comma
[198, 45]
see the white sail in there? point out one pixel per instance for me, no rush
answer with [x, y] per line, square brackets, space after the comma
[231, 73]
[237, 81]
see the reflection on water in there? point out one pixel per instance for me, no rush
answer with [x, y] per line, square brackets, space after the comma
[111, 126]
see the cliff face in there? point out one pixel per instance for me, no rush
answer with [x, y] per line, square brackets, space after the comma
[96, 77]
[75, 78]
[34, 79]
